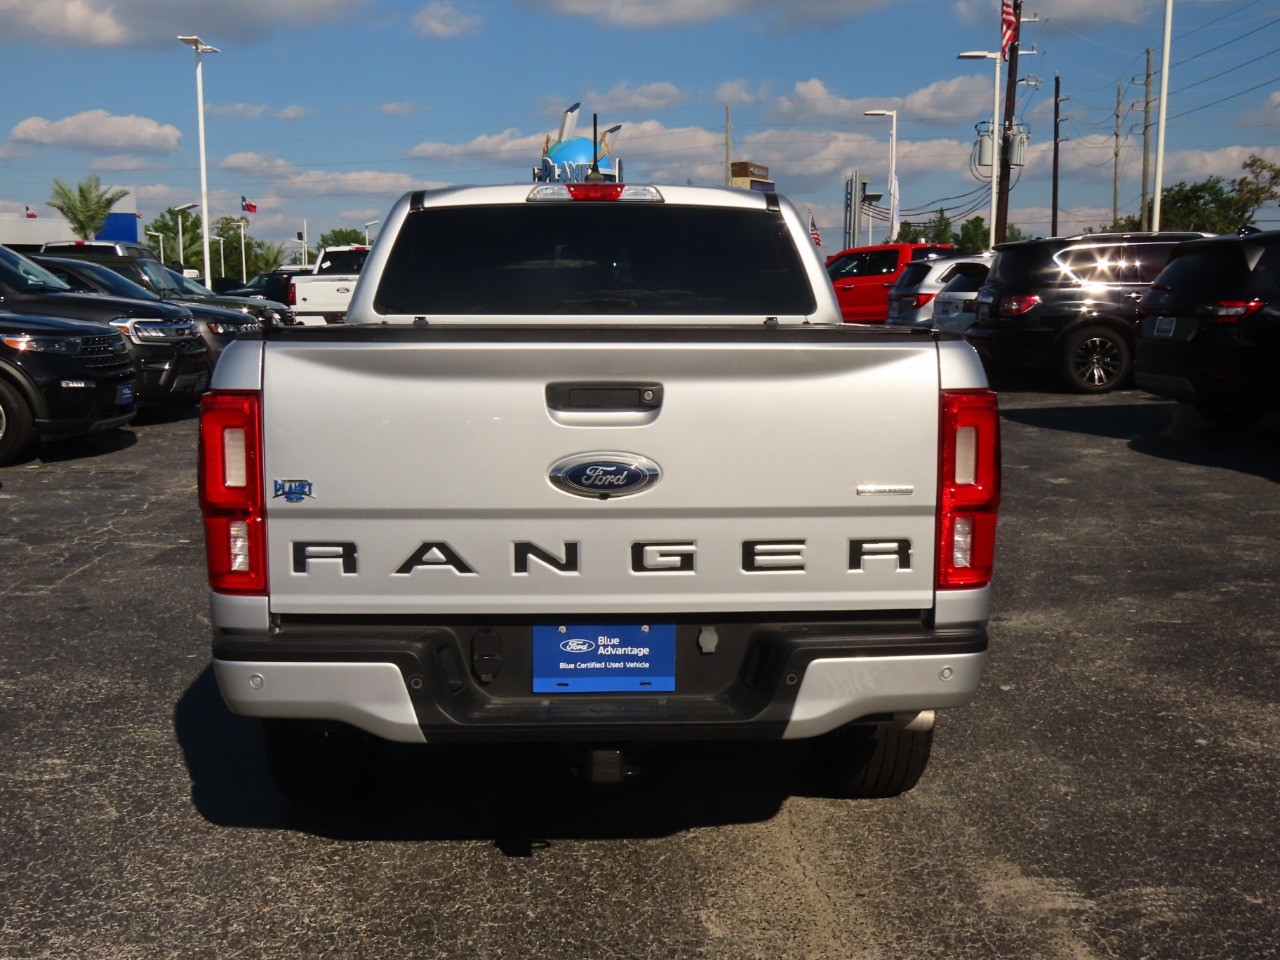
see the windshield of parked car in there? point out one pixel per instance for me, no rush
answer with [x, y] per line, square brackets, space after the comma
[555, 259]
[342, 261]
[189, 286]
[25, 276]
[157, 276]
[103, 279]
[968, 280]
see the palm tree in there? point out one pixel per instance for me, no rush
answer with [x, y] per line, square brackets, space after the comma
[86, 207]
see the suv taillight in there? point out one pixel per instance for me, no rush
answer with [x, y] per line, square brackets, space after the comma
[968, 489]
[231, 494]
[1233, 311]
[1017, 306]
[293, 295]
[924, 298]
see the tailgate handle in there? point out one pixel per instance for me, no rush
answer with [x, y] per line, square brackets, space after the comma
[604, 403]
[604, 396]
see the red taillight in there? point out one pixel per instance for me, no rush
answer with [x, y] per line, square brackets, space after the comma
[968, 489]
[231, 495]
[595, 191]
[1017, 306]
[924, 298]
[293, 294]
[1233, 311]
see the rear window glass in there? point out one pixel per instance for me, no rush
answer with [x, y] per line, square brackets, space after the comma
[1123, 263]
[968, 280]
[343, 261]
[1019, 263]
[864, 263]
[1216, 272]
[571, 258]
[913, 274]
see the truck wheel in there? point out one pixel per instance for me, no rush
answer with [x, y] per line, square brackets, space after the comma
[17, 428]
[870, 762]
[319, 760]
[1095, 360]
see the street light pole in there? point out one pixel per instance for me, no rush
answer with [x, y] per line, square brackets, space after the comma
[244, 269]
[893, 163]
[366, 230]
[160, 237]
[222, 258]
[996, 140]
[182, 250]
[202, 48]
[1164, 103]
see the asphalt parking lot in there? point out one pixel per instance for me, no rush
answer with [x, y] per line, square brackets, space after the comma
[1114, 792]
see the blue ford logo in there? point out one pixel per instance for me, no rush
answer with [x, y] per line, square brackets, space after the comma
[577, 646]
[604, 475]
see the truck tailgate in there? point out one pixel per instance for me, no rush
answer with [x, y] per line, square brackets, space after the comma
[797, 472]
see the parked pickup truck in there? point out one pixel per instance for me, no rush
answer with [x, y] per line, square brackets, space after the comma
[323, 295]
[598, 464]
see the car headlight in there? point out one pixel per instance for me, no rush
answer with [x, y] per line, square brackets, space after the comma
[236, 327]
[156, 331]
[23, 342]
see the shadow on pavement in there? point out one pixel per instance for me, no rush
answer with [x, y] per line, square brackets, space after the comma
[520, 797]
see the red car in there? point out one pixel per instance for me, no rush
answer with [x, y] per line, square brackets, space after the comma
[862, 276]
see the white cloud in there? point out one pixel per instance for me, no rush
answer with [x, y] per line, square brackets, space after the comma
[123, 161]
[439, 20]
[153, 24]
[99, 132]
[249, 111]
[316, 183]
[1269, 115]
[647, 97]
[293, 112]
[509, 143]
[738, 93]
[948, 99]
[258, 165]
[943, 101]
[1081, 14]
[662, 13]
[402, 109]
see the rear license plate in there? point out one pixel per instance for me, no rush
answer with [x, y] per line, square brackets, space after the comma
[124, 393]
[1164, 326]
[604, 658]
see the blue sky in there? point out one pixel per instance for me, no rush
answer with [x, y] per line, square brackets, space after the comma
[328, 110]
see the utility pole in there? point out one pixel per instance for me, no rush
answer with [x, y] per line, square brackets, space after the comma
[1115, 157]
[1057, 120]
[728, 133]
[1146, 150]
[1010, 96]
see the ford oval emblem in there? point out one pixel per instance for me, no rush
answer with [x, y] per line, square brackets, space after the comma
[577, 646]
[604, 475]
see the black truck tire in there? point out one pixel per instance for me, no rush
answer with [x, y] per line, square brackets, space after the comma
[872, 761]
[17, 426]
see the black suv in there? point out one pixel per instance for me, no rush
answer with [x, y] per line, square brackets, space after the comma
[218, 325]
[1069, 304]
[171, 360]
[60, 378]
[1210, 331]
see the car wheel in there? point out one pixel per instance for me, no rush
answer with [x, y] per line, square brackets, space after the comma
[871, 761]
[1095, 360]
[314, 760]
[17, 427]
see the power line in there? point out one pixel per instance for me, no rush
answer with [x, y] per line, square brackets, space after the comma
[1225, 99]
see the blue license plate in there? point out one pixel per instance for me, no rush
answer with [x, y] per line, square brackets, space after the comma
[124, 393]
[604, 658]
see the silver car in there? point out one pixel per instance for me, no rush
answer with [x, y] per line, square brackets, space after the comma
[911, 300]
[956, 305]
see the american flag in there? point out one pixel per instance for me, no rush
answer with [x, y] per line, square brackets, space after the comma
[1008, 28]
[813, 231]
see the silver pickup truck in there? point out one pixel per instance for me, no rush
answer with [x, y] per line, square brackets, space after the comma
[598, 464]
